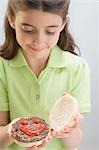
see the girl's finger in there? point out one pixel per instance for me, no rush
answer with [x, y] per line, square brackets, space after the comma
[66, 129]
[62, 134]
[45, 142]
[78, 119]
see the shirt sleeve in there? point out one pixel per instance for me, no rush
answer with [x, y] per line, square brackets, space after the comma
[3, 91]
[81, 85]
[3, 98]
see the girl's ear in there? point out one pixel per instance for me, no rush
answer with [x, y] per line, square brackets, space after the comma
[10, 20]
[66, 22]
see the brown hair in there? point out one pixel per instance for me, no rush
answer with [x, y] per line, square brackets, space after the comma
[10, 47]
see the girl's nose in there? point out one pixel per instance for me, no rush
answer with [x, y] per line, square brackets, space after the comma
[39, 38]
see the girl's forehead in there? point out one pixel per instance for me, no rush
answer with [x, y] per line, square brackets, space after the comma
[34, 12]
[37, 16]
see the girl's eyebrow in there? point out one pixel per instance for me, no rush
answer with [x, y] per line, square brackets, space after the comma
[51, 26]
[25, 24]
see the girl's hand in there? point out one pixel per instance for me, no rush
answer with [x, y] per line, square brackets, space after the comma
[44, 143]
[67, 130]
[9, 126]
[6, 137]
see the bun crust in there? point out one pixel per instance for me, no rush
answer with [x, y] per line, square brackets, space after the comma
[30, 144]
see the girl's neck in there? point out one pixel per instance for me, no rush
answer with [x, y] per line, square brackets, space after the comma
[37, 63]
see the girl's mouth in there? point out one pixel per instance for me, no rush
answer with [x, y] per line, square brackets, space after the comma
[37, 49]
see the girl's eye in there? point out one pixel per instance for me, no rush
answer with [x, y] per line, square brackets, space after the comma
[50, 33]
[28, 29]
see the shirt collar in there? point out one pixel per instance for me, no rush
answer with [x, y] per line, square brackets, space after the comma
[57, 59]
[19, 60]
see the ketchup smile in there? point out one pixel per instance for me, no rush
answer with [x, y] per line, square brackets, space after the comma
[25, 129]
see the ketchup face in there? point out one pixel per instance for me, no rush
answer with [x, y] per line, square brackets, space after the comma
[25, 128]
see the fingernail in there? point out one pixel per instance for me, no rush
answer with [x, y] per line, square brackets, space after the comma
[53, 132]
[46, 140]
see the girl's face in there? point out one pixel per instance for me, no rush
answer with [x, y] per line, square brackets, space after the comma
[37, 31]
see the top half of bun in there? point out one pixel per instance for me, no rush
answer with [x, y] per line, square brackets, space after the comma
[62, 113]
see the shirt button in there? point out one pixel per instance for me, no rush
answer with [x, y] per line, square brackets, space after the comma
[37, 97]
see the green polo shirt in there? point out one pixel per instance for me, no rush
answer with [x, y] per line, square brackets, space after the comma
[23, 94]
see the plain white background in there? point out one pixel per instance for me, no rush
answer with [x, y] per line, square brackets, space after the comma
[84, 26]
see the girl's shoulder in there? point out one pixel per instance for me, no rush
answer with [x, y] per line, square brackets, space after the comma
[74, 60]
[3, 61]
[67, 59]
[3, 64]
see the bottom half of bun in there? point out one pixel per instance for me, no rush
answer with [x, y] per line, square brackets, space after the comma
[30, 144]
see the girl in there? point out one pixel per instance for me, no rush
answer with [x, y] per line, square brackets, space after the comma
[37, 65]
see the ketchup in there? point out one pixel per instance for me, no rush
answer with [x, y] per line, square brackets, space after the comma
[24, 122]
[25, 129]
[36, 120]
